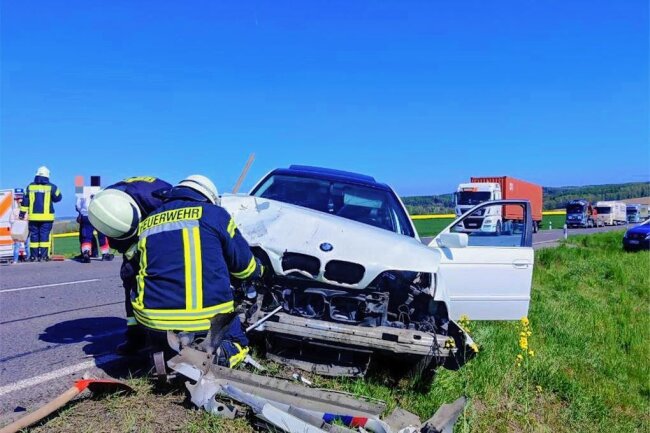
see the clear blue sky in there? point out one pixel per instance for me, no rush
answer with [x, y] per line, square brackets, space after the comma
[421, 95]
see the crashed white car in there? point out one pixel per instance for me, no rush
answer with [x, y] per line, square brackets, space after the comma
[356, 283]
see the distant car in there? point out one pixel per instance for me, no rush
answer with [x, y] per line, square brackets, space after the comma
[637, 238]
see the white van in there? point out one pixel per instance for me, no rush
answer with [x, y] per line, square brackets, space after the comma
[611, 213]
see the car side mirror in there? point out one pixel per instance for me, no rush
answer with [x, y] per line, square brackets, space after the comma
[453, 240]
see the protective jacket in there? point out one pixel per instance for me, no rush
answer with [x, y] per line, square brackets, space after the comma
[39, 200]
[146, 191]
[189, 250]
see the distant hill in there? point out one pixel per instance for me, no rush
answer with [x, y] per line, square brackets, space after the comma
[554, 197]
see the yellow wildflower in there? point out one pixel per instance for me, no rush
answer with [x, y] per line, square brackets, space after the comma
[529, 333]
[531, 352]
[538, 388]
[524, 321]
[520, 357]
[450, 343]
[523, 343]
[474, 347]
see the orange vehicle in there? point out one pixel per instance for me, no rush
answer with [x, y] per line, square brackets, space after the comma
[481, 189]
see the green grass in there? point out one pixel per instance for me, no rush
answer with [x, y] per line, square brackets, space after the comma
[590, 371]
[590, 324]
[68, 247]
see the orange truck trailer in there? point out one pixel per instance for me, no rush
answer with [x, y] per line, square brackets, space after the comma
[480, 189]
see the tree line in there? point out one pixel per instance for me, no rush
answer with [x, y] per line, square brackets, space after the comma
[554, 197]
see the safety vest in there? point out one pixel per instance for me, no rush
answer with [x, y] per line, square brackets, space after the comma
[39, 200]
[188, 252]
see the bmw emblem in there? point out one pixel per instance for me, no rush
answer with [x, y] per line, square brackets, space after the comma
[327, 247]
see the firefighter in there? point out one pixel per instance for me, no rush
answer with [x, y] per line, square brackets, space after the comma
[116, 211]
[189, 249]
[38, 201]
[87, 233]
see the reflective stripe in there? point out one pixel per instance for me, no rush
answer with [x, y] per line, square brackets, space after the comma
[24, 208]
[188, 268]
[142, 247]
[246, 272]
[231, 228]
[40, 188]
[205, 313]
[130, 321]
[169, 325]
[57, 193]
[47, 199]
[198, 266]
[169, 227]
[238, 357]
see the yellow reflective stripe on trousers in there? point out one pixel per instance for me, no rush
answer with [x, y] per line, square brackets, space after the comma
[246, 272]
[231, 228]
[130, 321]
[238, 357]
[193, 268]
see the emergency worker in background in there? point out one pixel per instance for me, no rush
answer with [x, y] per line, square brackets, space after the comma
[87, 235]
[38, 201]
[116, 211]
[189, 249]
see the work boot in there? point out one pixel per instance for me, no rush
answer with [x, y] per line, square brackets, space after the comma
[108, 257]
[85, 257]
[46, 258]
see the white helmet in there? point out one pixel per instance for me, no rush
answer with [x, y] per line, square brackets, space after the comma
[114, 213]
[43, 171]
[202, 185]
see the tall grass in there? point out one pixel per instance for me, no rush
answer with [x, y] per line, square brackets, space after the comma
[590, 366]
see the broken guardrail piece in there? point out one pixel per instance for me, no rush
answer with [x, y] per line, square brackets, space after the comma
[295, 408]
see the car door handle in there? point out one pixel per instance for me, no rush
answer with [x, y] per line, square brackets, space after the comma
[520, 264]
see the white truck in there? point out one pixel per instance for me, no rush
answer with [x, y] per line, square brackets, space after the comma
[611, 213]
[496, 219]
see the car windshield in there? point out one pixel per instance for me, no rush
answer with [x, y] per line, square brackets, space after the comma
[473, 198]
[632, 211]
[603, 209]
[359, 203]
[574, 208]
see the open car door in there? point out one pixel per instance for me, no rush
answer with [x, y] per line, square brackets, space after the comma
[486, 268]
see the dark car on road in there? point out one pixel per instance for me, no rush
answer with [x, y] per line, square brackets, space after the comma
[637, 238]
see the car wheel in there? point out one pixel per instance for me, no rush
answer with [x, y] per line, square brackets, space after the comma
[498, 229]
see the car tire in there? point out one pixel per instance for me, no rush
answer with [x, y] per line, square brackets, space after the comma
[497, 231]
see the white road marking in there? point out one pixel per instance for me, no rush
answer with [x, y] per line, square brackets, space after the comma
[18, 289]
[36, 380]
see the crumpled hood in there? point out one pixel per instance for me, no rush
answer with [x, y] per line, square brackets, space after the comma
[279, 227]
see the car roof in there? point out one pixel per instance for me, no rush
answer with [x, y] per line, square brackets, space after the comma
[331, 175]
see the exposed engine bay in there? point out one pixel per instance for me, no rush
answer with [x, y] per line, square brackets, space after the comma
[333, 330]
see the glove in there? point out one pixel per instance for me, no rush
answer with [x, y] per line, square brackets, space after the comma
[21, 215]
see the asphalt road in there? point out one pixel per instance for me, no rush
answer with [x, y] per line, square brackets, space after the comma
[57, 321]
[61, 319]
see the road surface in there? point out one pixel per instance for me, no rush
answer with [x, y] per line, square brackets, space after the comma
[57, 320]
[61, 319]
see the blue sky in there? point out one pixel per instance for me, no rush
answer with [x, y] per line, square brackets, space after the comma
[421, 95]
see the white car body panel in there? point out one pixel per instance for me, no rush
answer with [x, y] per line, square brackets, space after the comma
[485, 282]
[280, 227]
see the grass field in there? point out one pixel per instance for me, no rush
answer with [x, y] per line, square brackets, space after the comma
[431, 227]
[589, 370]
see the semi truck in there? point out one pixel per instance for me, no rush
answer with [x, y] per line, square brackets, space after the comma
[495, 219]
[636, 213]
[611, 213]
[580, 213]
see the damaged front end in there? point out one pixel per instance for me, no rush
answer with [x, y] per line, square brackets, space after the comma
[349, 293]
[336, 331]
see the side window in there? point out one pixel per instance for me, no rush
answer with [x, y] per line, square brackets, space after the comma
[495, 226]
